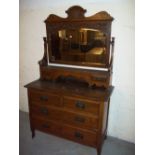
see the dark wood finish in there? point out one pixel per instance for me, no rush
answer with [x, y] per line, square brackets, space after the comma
[78, 108]
[99, 78]
[68, 102]
[79, 135]
[81, 105]
[80, 120]
[74, 90]
[76, 20]
[46, 125]
[46, 112]
[44, 60]
[44, 99]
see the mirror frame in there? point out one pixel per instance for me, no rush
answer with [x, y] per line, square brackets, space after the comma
[75, 20]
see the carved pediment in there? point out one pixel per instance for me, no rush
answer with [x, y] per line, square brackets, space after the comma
[78, 13]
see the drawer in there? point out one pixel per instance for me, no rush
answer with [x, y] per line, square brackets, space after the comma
[43, 98]
[81, 121]
[80, 105]
[46, 126]
[46, 112]
[79, 135]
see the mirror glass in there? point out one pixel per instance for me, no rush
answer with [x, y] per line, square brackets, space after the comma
[82, 45]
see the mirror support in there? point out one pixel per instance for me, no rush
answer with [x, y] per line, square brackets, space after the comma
[112, 54]
[44, 61]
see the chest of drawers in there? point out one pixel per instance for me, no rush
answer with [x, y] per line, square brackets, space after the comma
[72, 96]
[68, 113]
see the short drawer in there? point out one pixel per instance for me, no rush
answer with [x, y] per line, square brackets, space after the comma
[46, 126]
[79, 135]
[43, 98]
[81, 105]
[81, 121]
[46, 112]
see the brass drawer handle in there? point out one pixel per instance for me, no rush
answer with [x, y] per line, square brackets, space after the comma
[79, 119]
[44, 111]
[43, 98]
[45, 126]
[78, 135]
[80, 105]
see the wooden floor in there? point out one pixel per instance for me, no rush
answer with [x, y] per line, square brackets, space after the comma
[44, 144]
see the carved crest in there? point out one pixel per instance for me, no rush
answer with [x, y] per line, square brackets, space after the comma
[78, 13]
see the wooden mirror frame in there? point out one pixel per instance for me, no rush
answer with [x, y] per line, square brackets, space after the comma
[76, 19]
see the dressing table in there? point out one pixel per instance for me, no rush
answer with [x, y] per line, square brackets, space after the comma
[72, 96]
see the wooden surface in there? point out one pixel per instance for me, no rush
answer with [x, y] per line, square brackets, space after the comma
[67, 102]
[98, 78]
[72, 111]
[98, 94]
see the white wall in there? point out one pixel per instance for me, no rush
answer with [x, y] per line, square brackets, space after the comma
[32, 29]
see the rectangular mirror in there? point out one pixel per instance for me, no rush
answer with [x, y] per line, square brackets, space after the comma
[82, 46]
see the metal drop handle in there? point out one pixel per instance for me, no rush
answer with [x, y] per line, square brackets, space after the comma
[44, 111]
[78, 135]
[80, 105]
[43, 98]
[79, 119]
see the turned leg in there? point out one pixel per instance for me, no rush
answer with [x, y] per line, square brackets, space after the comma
[105, 136]
[33, 133]
[99, 151]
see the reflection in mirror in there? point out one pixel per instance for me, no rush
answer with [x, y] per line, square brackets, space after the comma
[79, 45]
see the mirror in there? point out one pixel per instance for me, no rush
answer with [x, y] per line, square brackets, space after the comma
[83, 45]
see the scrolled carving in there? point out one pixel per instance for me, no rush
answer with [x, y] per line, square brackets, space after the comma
[103, 15]
[76, 12]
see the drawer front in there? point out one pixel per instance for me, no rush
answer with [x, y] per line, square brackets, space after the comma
[78, 135]
[81, 121]
[43, 98]
[47, 126]
[76, 104]
[46, 112]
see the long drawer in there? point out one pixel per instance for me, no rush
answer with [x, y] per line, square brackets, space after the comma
[79, 135]
[79, 120]
[81, 105]
[44, 98]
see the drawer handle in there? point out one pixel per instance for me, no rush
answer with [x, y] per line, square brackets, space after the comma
[78, 135]
[43, 98]
[80, 105]
[79, 119]
[44, 111]
[45, 126]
